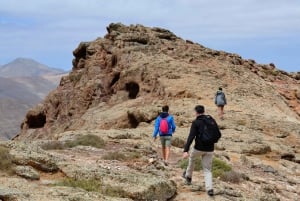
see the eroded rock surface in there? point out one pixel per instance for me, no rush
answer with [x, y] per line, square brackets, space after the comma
[116, 89]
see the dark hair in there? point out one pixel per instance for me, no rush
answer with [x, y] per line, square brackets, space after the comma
[165, 108]
[200, 109]
[220, 88]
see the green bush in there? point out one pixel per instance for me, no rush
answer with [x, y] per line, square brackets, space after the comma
[219, 167]
[86, 140]
[184, 163]
[6, 164]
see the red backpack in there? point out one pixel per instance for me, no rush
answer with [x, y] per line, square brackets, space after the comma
[164, 126]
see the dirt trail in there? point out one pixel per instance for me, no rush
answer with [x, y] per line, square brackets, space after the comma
[193, 192]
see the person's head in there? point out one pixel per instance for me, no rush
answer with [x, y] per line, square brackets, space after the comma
[220, 88]
[199, 109]
[165, 108]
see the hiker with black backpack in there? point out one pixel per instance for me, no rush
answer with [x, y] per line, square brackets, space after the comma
[220, 101]
[205, 131]
[165, 127]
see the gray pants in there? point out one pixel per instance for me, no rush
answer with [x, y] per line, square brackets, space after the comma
[206, 165]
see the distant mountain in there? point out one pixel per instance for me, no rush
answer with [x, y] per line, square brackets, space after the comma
[23, 67]
[23, 84]
[15, 100]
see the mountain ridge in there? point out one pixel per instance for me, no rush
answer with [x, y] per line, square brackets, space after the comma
[25, 67]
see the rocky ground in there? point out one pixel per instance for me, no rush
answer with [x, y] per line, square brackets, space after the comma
[115, 91]
[266, 170]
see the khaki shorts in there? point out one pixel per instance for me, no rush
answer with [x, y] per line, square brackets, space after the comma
[165, 141]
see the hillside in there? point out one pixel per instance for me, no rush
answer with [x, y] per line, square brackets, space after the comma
[24, 67]
[23, 84]
[116, 89]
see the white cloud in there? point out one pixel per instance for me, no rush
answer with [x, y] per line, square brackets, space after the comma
[48, 23]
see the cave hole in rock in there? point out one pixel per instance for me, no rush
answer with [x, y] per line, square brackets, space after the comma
[114, 60]
[36, 121]
[133, 122]
[133, 89]
[115, 79]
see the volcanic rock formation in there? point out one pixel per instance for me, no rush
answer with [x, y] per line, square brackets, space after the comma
[136, 68]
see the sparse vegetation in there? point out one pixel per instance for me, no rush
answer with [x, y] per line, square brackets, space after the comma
[121, 156]
[241, 122]
[53, 145]
[219, 167]
[232, 177]
[93, 185]
[75, 77]
[184, 163]
[86, 184]
[178, 142]
[84, 140]
[6, 164]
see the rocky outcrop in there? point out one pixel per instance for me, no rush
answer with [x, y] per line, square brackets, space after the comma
[27, 172]
[116, 89]
[133, 67]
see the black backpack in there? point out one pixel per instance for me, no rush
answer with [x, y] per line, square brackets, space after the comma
[211, 132]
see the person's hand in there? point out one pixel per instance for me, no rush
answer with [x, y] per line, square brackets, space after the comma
[185, 154]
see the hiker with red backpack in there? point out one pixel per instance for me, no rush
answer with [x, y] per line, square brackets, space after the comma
[165, 127]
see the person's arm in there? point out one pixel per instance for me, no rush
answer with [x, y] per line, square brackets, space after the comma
[191, 137]
[156, 128]
[225, 101]
[173, 124]
[216, 98]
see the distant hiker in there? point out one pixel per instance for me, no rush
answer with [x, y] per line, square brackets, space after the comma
[220, 101]
[204, 147]
[165, 126]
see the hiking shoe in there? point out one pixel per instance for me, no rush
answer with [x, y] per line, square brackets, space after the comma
[188, 180]
[210, 192]
[183, 174]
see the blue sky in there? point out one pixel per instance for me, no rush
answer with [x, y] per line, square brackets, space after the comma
[48, 31]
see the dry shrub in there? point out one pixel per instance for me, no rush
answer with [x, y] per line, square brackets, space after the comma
[128, 156]
[232, 177]
[86, 184]
[53, 145]
[86, 140]
[6, 162]
[177, 142]
[94, 186]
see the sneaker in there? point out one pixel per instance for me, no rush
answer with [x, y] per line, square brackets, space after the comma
[183, 174]
[210, 192]
[188, 180]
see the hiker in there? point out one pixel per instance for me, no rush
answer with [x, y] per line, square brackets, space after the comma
[200, 149]
[220, 101]
[165, 126]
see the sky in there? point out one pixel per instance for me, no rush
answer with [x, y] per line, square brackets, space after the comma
[267, 31]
